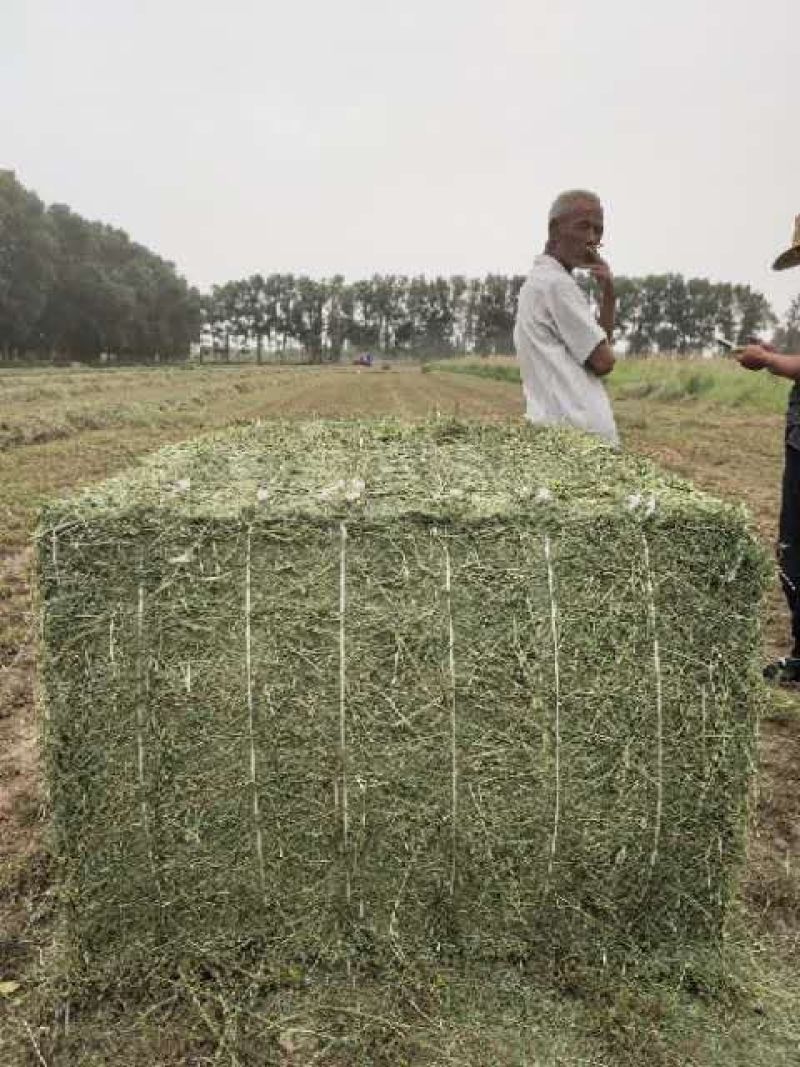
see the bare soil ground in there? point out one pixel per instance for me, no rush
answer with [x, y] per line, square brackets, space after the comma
[733, 453]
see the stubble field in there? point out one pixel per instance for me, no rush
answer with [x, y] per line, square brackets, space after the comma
[62, 429]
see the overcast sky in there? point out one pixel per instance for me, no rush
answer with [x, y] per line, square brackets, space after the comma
[422, 136]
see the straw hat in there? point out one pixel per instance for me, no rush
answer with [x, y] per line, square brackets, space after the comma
[791, 257]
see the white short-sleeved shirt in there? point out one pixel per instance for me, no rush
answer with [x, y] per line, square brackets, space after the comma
[554, 335]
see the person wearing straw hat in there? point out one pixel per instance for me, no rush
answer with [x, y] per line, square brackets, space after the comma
[756, 357]
[563, 350]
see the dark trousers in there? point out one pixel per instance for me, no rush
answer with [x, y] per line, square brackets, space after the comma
[789, 541]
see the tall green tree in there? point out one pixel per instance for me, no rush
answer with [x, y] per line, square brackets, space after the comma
[753, 313]
[77, 289]
[26, 266]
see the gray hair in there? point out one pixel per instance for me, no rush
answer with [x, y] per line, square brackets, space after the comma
[565, 202]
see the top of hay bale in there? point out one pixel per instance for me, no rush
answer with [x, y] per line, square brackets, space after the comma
[375, 471]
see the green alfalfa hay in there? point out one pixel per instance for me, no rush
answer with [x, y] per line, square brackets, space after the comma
[343, 692]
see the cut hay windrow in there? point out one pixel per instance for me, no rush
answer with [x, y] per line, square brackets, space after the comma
[341, 691]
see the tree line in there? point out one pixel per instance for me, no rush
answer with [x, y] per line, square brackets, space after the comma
[73, 289]
[385, 312]
[657, 313]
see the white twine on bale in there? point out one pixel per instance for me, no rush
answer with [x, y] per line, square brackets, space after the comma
[651, 611]
[141, 706]
[342, 701]
[704, 731]
[112, 659]
[35, 1043]
[451, 658]
[393, 928]
[54, 551]
[551, 585]
[248, 651]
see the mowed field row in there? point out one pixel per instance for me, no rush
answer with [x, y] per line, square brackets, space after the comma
[37, 406]
[40, 406]
[87, 425]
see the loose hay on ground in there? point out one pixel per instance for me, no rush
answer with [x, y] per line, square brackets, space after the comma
[343, 690]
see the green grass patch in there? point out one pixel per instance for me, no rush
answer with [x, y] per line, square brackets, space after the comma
[718, 381]
[499, 370]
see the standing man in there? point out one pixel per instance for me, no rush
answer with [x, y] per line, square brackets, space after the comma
[563, 351]
[756, 357]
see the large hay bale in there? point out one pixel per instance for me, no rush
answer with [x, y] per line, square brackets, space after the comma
[335, 689]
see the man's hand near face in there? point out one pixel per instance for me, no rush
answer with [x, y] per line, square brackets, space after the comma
[601, 272]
